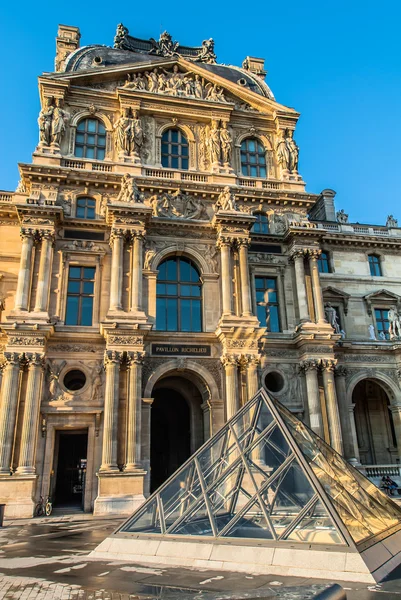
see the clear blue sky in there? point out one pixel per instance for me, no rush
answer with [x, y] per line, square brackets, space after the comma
[337, 63]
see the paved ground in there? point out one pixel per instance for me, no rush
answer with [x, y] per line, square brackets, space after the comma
[46, 559]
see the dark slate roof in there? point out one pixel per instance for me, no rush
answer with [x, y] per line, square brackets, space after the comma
[83, 60]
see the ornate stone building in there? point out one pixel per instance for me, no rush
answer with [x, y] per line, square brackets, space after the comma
[159, 261]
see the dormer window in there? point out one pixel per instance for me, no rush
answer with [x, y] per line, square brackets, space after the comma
[86, 208]
[90, 139]
[253, 158]
[175, 150]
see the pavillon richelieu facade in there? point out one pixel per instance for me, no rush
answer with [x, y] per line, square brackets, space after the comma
[160, 261]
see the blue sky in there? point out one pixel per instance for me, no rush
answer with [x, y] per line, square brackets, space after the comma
[337, 63]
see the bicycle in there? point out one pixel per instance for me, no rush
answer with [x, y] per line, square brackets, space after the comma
[44, 508]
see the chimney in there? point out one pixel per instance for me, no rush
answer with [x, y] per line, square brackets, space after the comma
[255, 65]
[67, 41]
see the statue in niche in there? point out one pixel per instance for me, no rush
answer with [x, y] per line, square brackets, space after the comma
[123, 132]
[59, 121]
[341, 216]
[332, 318]
[45, 122]
[214, 143]
[138, 135]
[287, 151]
[226, 144]
[97, 383]
[391, 222]
[226, 201]
[129, 190]
[282, 152]
[53, 374]
[293, 152]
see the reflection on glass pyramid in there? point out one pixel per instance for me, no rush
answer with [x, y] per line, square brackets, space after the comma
[266, 477]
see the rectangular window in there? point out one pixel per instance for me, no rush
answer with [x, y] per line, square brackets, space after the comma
[80, 293]
[382, 324]
[267, 305]
[374, 265]
[323, 263]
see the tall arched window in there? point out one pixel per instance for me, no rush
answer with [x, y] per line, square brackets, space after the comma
[90, 139]
[261, 224]
[175, 150]
[178, 296]
[253, 158]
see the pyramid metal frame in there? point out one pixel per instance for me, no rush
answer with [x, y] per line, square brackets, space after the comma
[188, 504]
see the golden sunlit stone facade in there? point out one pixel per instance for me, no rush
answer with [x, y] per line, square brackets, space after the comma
[160, 261]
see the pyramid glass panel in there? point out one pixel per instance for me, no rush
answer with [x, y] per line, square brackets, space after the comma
[266, 476]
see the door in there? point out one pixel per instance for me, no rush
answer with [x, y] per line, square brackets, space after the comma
[71, 448]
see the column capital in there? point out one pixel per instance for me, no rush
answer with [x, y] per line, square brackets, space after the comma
[46, 234]
[311, 364]
[328, 364]
[35, 359]
[298, 253]
[253, 360]
[313, 253]
[112, 357]
[229, 360]
[148, 401]
[395, 408]
[243, 242]
[139, 234]
[341, 371]
[27, 233]
[224, 241]
[135, 358]
[13, 358]
[116, 234]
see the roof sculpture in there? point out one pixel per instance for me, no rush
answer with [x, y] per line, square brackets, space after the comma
[266, 479]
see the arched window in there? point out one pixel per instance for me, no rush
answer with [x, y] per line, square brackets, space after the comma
[374, 265]
[253, 158]
[178, 296]
[175, 150]
[262, 223]
[86, 208]
[90, 139]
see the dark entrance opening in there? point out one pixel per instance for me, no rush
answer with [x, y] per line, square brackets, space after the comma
[170, 435]
[71, 452]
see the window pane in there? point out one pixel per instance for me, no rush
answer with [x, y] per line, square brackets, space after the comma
[80, 212]
[174, 162]
[79, 138]
[171, 289]
[274, 319]
[165, 136]
[164, 161]
[262, 172]
[185, 306]
[89, 152]
[196, 315]
[75, 272]
[251, 145]
[172, 314]
[184, 150]
[88, 287]
[90, 213]
[185, 271]
[184, 164]
[196, 291]
[254, 172]
[81, 126]
[73, 287]
[79, 152]
[89, 273]
[91, 125]
[101, 128]
[161, 314]
[162, 272]
[171, 270]
[174, 135]
[86, 310]
[90, 140]
[185, 290]
[71, 317]
[161, 288]
[244, 170]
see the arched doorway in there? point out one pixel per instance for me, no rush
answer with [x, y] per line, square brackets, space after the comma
[176, 426]
[375, 431]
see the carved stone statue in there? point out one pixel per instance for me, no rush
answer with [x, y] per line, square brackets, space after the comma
[123, 133]
[129, 191]
[45, 122]
[287, 151]
[121, 33]
[391, 222]
[372, 334]
[226, 144]
[332, 318]
[282, 152]
[214, 143]
[138, 135]
[97, 383]
[293, 152]
[207, 55]
[59, 121]
[265, 303]
[394, 318]
[341, 216]
[165, 46]
[226, 201]
[53, 374]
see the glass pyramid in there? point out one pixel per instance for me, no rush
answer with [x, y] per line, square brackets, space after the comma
[265, 475]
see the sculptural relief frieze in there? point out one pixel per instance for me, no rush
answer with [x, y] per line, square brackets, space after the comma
[178, 205]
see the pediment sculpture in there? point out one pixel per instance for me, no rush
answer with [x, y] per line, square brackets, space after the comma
[173, 82]
[178, 205]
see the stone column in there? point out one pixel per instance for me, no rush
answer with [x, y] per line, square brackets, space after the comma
[133, 461]
[226, 278]
[298, 258]
[45, 270]
[333, 414]
[354, 437]
[8, 409]
[116, 280]
[136, 275]
[396, 412]
[25, 270]
[340, 374]
[231, 368]
[112, 361]
[310, 368]
[244, 277]
[146, 441]
[26, 463]
[313, 255]
[252, 376]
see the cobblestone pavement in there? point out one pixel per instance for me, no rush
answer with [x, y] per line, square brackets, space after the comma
[47, 559]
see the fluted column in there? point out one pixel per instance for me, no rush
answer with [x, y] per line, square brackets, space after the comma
[26, 463]
[252, 376]
[112, 361]
[333, 414]
[45, 269]
[145, 437]
[8, 408]
[133, 461]
[310, 368]
[244, 277]
[340, 374]
[25, 270]
[231, 368]
[298, 258]
[313, 256]
[117, 245]
[136, 275]
[226, 278]
[396, 412]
